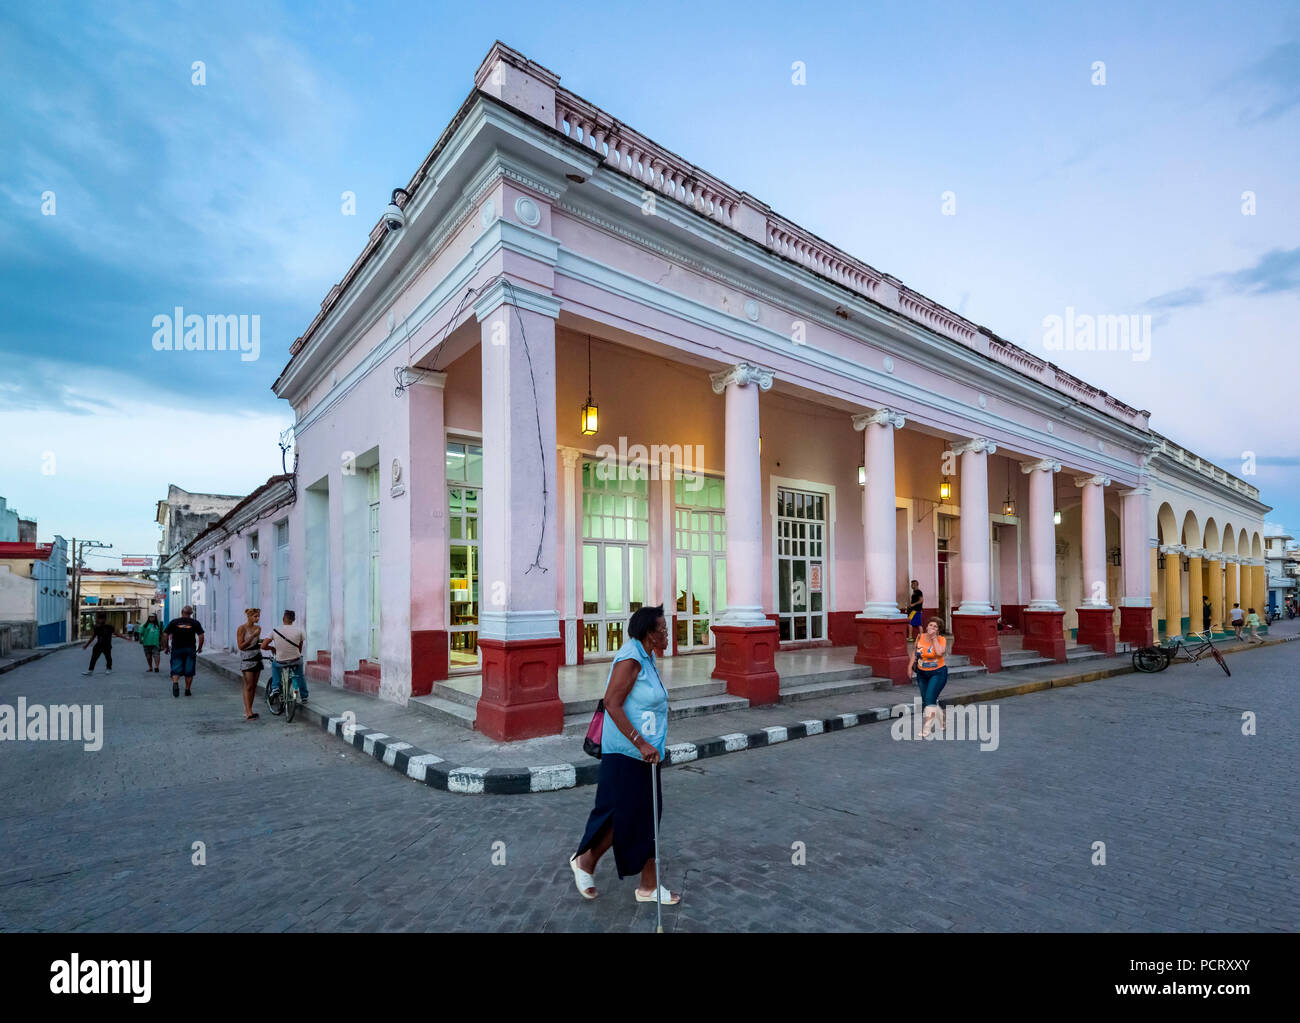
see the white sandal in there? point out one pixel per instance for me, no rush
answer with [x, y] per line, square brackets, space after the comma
[666, 898]
[582, 879]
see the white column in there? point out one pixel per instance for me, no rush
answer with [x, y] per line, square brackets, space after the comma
[1042, 534]
[519, 453]
[742, 384]
[975, 586]
[571, 459]
[665, 500]
[880, 542]
[1136, 545]
[1094, 540]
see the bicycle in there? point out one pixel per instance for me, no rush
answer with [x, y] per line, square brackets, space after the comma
[275, 698]
[1151, 659]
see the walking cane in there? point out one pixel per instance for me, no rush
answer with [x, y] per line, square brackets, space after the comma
[654, 803]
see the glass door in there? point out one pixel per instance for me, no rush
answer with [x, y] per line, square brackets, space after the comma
[372, 484]
[464, 505]
[615, 532]
[700, 556]
[800, 564]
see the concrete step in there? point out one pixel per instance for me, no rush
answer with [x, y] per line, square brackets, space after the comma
[837, 675]
[705, 705]
[446, 692]
[1083, 654]
[446, 711]
[830, 687]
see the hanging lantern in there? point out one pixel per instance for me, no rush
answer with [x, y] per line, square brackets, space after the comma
[862, 475]
[590, 413]
[945, 489]
[1056, 517]
[1009, 507]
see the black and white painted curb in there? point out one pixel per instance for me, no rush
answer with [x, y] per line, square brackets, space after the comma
[434, 771]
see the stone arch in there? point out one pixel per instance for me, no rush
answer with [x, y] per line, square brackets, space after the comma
[1212, 537]
[1167, 524]
[1229, 540]
[1256, 545]
[1191, 535]
[1243, 544]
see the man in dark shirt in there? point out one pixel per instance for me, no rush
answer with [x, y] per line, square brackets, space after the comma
[914, 613]
[102, 636]
[1207, 612]
[183, 637]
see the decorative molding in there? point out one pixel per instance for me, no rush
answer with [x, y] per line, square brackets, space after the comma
[1097, 480]
[1046, 464]
[1142, 490]
[504, 292]
[1172, 548]
[978, 445]
[516, 625]
[528, 211]
[881, 417]
[751, 309]
[742, 373]
[570, 456]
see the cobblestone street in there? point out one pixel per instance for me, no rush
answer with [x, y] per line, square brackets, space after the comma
[1199, 822]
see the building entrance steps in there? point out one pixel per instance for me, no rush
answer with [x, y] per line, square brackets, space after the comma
[431, 750]
[806, 674]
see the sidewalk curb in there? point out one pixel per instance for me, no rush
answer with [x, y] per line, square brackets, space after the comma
[36, 655]
[436, 772]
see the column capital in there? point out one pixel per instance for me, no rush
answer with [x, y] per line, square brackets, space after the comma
[413, 375]
[882, 417]
[1196, 552]
[1097, 480]
[570, 456]
[1045, 464]
[1213, 555]
[1172, 548]
[742, 373]
[979, 445]
[504, 291]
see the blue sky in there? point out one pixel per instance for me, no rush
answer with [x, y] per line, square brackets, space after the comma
[1122, 198]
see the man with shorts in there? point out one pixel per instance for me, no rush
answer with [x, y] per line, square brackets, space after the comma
[286, 642]
[150, 639]
[1238, 619]
[914, 613]
[183, 637]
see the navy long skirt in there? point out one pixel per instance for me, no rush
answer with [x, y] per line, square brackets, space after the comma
[623, 801]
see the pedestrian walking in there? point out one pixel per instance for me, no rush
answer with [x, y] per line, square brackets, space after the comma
[1207, 613]
[285, 643]
[913, 612]
[183, 639]
[930, 666]
[130, 632]
[629, 794]
[1237, 617]
[248, 638]
[150, 636]
[1252, 620]
[102, 636]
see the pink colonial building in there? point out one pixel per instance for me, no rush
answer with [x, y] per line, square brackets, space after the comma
[571, 374]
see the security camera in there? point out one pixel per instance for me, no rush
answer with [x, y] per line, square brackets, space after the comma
[394, 218]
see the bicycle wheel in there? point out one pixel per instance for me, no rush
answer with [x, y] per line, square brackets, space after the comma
[1148, 659]
[291, 705]
[275, 701]
[1222, 663]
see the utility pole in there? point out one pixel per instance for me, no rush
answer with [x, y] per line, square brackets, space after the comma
[76, 581]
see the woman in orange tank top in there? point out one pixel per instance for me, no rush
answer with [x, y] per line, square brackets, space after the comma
[931, 669]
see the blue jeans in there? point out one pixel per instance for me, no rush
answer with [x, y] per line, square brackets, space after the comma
[931, 684]
[295, 672]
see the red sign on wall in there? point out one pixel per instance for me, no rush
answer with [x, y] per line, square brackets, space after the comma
[137, 562]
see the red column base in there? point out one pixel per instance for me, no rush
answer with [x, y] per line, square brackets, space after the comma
[882, 646]
[430, 660]
[1097, 629]
[746, 661]
[1135, 626]
[521, 689]
[976, 636]
[1045, 633]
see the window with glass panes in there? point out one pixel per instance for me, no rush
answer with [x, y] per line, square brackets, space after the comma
[615, 532]
[464, 505]
[700, 555]
[800, 564]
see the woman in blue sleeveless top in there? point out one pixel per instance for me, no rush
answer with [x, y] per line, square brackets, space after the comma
[633, 737]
